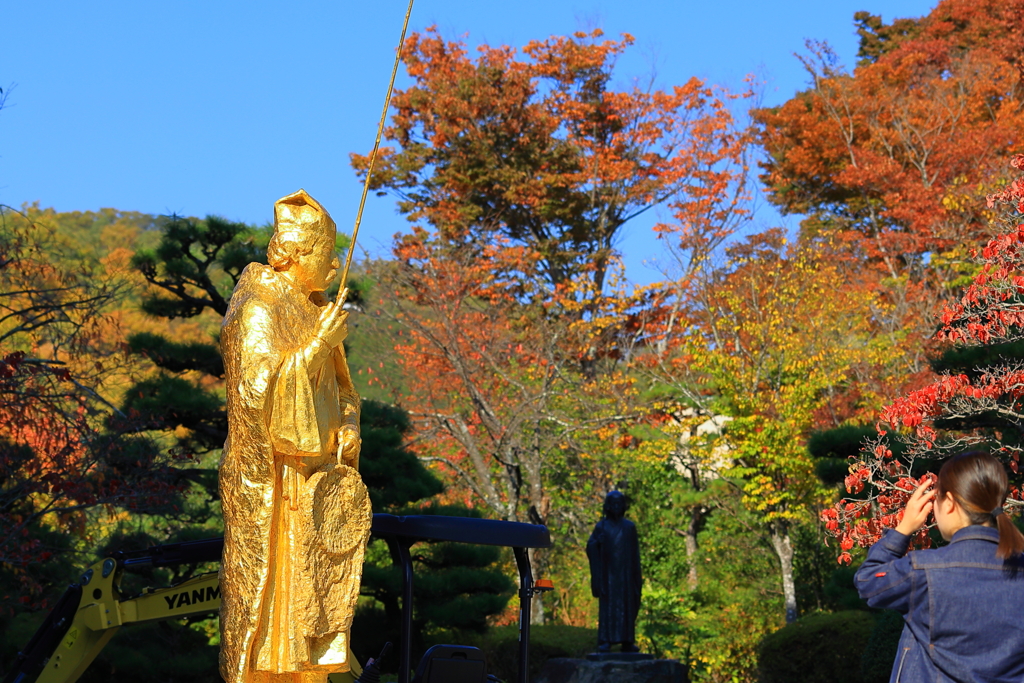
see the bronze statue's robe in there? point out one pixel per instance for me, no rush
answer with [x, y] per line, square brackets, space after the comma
[615, 579]
[296, 521]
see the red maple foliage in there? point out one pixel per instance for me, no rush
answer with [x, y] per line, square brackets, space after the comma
[956, 411]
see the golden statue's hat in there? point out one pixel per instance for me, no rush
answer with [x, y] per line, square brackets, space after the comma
[299, 212]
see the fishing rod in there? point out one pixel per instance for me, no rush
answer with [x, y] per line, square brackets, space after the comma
[373, 156]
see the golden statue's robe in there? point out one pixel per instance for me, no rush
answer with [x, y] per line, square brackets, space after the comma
[296, 521]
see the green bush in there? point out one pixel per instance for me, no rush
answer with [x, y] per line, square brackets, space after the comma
[839, 591]
[160, 652]
[501, 647]
[15, 634]
[825, 648]
[150, 653]
[880, 653]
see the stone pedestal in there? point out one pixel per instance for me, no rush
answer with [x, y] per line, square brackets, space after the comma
[619, 657]
[619, 670]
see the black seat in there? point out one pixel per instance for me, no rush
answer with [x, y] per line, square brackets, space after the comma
[452, 664]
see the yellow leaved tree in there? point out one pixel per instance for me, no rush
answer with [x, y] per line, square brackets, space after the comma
[770, 344]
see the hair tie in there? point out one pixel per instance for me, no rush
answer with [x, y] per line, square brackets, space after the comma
[996, 512]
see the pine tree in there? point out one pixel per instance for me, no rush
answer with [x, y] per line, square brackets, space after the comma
[195, 267]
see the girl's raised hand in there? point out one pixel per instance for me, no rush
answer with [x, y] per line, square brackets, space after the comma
[915, 515]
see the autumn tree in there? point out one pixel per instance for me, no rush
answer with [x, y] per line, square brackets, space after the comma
[61, 461]
[538, 148]
[964, 407]
[891, 158]
[760, 343]
[520, 173]
[520, 170]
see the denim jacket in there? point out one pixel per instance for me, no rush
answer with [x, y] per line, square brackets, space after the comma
[962, 606]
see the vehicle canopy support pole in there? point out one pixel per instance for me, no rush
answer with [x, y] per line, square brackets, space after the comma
[525, 600]
[405, 665]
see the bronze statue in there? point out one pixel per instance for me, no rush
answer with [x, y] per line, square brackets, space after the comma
[614, 554]
[296, 513]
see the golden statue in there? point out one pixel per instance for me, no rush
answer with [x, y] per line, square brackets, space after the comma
[296, 513]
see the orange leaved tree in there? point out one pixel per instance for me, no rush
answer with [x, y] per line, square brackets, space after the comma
[520, 170]
[538, 148]
[892, 157]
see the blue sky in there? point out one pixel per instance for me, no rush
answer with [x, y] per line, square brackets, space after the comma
[223, 107]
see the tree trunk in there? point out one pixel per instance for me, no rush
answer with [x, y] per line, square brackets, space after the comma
[783, 547]
[690, 537]
[537, 610]
[538, 565]
[537, 513]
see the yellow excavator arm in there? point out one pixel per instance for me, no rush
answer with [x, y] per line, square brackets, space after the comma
[101, 613]
[90, 612]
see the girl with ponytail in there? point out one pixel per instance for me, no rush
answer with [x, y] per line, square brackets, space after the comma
[962, 604]
[970, 491]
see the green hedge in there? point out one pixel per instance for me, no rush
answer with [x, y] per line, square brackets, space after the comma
[501, 647]
[880, 653]
[819, 648]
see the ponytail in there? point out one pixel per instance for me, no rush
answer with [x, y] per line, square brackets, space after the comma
[979, 484]
[1011, 540]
